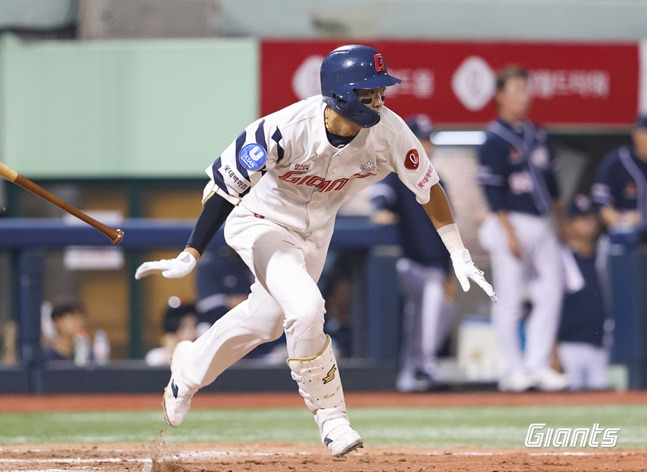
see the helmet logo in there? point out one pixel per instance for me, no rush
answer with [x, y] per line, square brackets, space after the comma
[379, 63]
[412, 160]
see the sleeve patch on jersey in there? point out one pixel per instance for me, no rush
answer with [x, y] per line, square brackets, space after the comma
[412, 159]
[427, 179]
[252, 156]
[232, 179]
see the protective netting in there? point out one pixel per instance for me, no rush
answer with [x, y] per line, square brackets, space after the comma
[130, 19]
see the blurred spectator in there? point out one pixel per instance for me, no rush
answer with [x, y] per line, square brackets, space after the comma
[69, 319]
[180, 324]
[517, 175]
[581, 335]
[9, 331]
[422, 272]
[621, 187]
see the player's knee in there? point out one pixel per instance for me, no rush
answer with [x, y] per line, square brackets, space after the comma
[275, 334]
[308, 316]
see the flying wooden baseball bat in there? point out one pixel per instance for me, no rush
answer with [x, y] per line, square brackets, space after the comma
[115, 235]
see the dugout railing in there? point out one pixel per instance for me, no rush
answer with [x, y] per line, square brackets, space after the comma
[375, 317]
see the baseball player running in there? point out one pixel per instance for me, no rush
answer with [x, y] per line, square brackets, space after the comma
[516, 172]
[279, 186]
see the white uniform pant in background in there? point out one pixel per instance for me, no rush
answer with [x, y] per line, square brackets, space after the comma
[539, 272]
[584, 364]
[426, 316]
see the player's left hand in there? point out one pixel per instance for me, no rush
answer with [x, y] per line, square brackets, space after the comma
[465, 269]
[182, 265]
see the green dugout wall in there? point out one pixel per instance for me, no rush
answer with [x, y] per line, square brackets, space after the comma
[121, 108]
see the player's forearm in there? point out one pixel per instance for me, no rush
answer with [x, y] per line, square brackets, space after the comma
[437, 208]
[505, 222]
[440, 213]
[214, 213]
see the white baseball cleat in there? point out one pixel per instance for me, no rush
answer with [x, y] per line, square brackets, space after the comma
[550, 380]
[177, 397]
[340, 437]
[518, 381]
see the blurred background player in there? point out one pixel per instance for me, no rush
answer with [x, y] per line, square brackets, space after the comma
[179, 324]
[69, 319]
[422, 272]
[517, 175]
[621, 186]
[337, 289]
[223, 281]
[620, 194]
[581, 339]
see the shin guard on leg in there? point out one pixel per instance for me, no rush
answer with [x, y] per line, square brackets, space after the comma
[318, 380]
[320, 386]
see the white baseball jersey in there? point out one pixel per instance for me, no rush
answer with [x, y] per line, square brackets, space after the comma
[305, 180]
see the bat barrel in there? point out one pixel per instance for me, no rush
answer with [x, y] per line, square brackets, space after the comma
[118, 237]
[114, 235]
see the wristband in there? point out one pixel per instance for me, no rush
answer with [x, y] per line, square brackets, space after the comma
[451, 238]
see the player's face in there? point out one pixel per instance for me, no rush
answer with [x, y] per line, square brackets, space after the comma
[640, 142]
[70, 324]
[373, 98]
[514, 99]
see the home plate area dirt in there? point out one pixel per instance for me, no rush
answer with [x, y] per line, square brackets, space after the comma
[158, 456]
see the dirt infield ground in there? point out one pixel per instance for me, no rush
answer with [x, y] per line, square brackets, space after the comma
[280, 457]
[159, 456]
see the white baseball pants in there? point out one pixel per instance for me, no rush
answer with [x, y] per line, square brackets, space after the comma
[539, 271]
[585, 365]
[426, 315]
[284, 297]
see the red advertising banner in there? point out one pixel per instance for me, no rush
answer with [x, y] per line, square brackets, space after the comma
[574, 84]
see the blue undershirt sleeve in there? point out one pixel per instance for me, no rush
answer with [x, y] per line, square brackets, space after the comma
[214, 213]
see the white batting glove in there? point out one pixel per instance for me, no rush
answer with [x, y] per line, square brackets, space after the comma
[176, 268]
[465, 269]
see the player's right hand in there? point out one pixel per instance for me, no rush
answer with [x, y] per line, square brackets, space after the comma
[515, 246]
[465, 269]
[176, 268]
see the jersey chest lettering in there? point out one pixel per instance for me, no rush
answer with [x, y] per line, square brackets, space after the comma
[520, 182]
[320, 183]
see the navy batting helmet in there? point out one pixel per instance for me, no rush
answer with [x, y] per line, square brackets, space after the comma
[347, 69]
